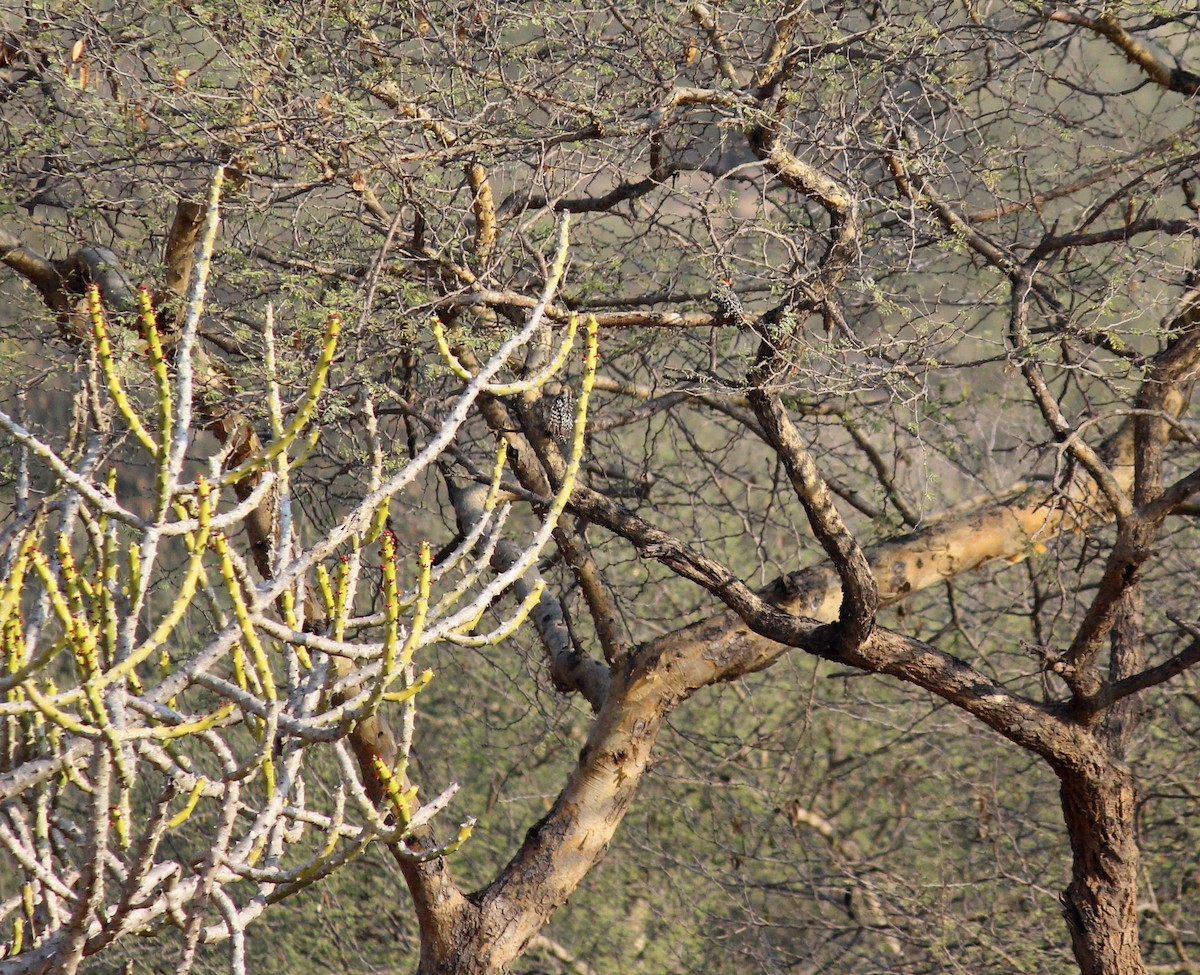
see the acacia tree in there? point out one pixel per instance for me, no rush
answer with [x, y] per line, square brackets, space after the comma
[961, 337]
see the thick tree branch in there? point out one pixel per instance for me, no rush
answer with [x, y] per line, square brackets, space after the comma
[860, 595]
[38, 271]
[845, 222]
[1163, 394]
[1107, 26]
[181, 246]
[703, 15]
[1110, 694]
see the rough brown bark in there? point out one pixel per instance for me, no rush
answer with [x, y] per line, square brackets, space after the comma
[1100, 902]
[570, 839]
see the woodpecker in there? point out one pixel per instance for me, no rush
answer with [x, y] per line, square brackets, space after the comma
[560, 418]
[729, 305]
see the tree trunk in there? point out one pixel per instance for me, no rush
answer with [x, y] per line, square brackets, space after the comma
[1100, 903]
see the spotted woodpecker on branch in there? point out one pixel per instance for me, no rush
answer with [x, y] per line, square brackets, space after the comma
[729, 305]
[560, 418]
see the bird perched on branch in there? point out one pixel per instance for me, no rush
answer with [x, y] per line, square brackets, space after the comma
[560, 418]
[729, 305]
